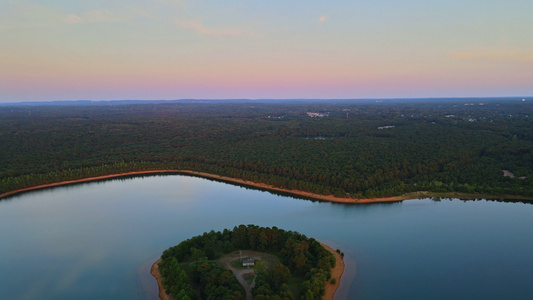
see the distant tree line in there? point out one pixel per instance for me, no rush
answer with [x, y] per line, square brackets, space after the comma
[436, 146]
[302, 258]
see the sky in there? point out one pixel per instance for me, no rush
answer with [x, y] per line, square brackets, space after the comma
[179, 49]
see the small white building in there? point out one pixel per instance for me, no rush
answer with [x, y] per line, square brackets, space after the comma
[248, 262]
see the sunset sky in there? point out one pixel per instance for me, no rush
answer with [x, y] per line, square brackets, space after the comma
[176, 49]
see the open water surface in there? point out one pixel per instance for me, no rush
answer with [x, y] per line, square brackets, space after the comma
[97, 240]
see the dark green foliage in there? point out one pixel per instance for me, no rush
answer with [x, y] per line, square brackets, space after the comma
[438, 146]
[314, 285]
[176, 281]
[273, 282]
[300, 256]
[215, 281]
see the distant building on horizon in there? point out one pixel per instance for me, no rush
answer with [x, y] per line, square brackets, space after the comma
[315, 114]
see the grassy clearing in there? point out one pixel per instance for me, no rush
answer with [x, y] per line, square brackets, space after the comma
[237, 264]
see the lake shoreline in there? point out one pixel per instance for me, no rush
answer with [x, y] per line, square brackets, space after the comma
[263, 186]
[154, 270]
[336, 272]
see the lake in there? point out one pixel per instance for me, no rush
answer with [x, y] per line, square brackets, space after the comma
[97, 240]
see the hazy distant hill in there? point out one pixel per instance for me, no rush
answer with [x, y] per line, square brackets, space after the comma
[126, 102]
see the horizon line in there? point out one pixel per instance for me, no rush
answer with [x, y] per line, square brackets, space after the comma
[258, 99]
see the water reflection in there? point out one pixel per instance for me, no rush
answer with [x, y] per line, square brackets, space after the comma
[92, 240]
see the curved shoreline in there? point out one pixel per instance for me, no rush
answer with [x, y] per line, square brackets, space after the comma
[336, 272]
[263, 186]
[154, 270]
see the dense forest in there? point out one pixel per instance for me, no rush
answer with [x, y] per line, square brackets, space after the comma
[302, 274]
[359, 149]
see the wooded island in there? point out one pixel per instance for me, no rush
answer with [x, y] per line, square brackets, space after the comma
[284, 265]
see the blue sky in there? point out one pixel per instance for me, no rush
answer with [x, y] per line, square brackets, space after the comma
[172, 49]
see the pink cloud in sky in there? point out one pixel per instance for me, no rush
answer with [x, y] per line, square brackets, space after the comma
[211, 31]
[185, 49]
[481, 53]
[96, 16]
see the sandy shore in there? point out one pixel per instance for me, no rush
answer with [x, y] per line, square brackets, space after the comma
[336, 273]
[67, 182]
[154, 270]
[296, 193]
[330, 198]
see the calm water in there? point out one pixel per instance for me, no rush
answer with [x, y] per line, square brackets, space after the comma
[98, 240]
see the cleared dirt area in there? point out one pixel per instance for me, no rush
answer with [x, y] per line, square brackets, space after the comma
[244, 273]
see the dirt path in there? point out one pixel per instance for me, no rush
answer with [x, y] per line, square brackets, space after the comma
[269, 259]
